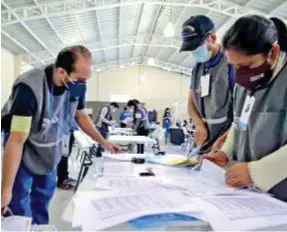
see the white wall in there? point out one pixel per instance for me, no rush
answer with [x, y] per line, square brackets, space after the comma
[156, 87]
[10, 69]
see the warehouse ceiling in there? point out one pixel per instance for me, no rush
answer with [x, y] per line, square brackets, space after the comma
[120, 33]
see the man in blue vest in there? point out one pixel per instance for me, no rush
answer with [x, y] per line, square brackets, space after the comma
[38, 117]
[211, 89]
[105, 120]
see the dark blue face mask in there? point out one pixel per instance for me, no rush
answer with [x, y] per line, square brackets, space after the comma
[76, 88]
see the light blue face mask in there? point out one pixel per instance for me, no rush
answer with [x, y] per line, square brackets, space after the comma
[201, 54]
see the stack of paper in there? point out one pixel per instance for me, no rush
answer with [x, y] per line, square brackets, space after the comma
[124, 156]
[129, 184]
[126, 196]
[244, 212]
[107, 209]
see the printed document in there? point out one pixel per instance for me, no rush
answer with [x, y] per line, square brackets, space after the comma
[243, 212]
[119, 169]
[110, 208]
[129, 184]
[212, 172]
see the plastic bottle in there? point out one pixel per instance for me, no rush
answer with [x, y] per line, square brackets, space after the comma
[99, 165]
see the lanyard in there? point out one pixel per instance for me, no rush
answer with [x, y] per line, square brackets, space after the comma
[67, 107]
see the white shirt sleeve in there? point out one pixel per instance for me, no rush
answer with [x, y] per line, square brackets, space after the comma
[270, 170]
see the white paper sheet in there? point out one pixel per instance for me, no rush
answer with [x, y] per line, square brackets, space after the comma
[127, 139]
[197, 186]
[246, 212]
[16, 223]
[114, 208]
[123, 156]
[129, 184]
[212, 172]
[119, 169]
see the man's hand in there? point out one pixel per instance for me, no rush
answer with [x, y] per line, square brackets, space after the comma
[238, 175]
[218, 157]
[113, 123]
[200, 134]
[6, 197]
[111, 147]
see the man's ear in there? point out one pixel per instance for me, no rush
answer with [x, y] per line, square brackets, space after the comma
[274, 54]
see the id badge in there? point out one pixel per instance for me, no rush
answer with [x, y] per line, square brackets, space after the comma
[246, 111]
[205, 85]
[65, 145]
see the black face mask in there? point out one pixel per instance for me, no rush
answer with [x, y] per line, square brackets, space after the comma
[254, 78]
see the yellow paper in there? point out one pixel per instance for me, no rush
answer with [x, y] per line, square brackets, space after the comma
[21, 124]
[184, 162]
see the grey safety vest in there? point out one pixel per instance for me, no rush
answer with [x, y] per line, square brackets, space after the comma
[216, 109]
[144, 123]
[267, 127]
[43, 147]
[108, 116]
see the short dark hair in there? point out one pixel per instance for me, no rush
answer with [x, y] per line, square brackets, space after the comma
[125, 108]
[114, 104]
[67, 57]
[133, 102]
[255, 34]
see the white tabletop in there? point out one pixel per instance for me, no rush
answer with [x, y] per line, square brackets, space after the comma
[88, 184]
[137, 139]
[160, 171]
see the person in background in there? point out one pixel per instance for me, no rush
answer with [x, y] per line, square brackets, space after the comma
[212, 80]
[257, 140]
[140, 120]
[64, 181]
[37, 118]
[166, 123]
[105, 119]
[124, 117]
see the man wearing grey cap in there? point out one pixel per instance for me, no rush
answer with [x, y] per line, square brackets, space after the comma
[211, 86]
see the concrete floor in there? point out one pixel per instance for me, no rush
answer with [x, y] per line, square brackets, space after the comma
[63, 197]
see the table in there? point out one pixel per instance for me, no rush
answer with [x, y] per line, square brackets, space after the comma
[168, 172]
[137, 139]
[89, 183]
[122, 131]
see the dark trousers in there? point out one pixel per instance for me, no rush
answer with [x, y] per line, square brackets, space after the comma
[62, 170]
[123, 125]
[32, 194]
[143, 132]
[104, 132]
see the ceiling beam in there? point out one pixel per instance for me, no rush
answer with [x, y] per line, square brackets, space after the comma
[141, 61]
[153, 28]
[138, 27]
[50, 24]
[31, 55]
[100, 34]
[175, 53]
[27, 28]
[62, 8]
[130, 43]
[282, 5]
